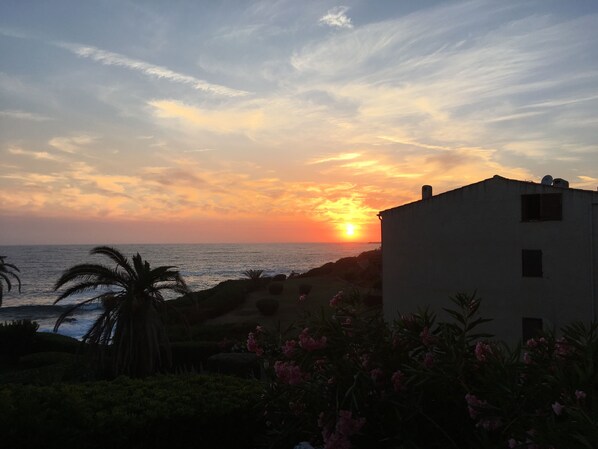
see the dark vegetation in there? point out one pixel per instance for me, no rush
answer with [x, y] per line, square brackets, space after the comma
[56, 391]
[340, 378]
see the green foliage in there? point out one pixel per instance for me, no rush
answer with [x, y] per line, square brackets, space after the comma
[240, 364]
[193, 355]
[350, 379]
[267, 306]
[131, 327]
[166, 411]
[275, 288]
[197, 307]
[49, 341]
[17, 338]
[7, 273]
[39, 359]
[304, 289]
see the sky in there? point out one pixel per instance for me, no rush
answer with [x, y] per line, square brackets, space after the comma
[280, 121]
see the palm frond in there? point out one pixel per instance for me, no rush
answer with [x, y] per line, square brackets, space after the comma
[70, 310]
[114, 255]
[90, 272]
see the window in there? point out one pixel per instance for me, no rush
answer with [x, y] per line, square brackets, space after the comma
[531, 263]
[530, 328]
[542, 207]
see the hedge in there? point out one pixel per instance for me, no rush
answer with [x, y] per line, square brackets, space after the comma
[187, 411]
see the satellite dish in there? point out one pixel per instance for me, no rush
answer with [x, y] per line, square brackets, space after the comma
[547, 180]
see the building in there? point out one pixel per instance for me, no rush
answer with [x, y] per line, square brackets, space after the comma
[529, 250]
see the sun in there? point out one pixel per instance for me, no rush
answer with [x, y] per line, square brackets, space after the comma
[349, 230]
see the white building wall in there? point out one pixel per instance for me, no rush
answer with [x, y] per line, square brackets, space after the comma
[472, 238]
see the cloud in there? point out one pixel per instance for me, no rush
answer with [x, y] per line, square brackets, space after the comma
[225, 121]
[340, 157]
[71, 144]
[20, 115]
[44, 155]
[154, 71]
[337, 18]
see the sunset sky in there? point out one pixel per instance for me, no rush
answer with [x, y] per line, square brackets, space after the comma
[238, 121]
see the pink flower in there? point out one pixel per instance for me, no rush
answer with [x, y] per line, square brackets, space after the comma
[253, 346]
[397, 380]
[489, 423]
[377, 375]
[308, 343]
[428, 360]
[557, 408]
[562, 348]
[289, 348]
[364, 360]
[288, 372]
[336, 299]
[482, 351]
[346, 426]
[473, 405]
[527, 359]
[425, 336]
[580, 394]
[259, 329]
[302, 298]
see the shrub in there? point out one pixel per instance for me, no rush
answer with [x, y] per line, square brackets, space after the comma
[192, 355]
[350, 380]
[17, 338]
[279, 278]
[49, 341]
[39, 359]
[184, 411]
[275, 288]
[235, 363]
[304, 289]
[267, 306]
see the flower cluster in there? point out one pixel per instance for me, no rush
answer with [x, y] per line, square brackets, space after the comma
[289, 373]
[347, 379]
[339, 436]
[309, 343]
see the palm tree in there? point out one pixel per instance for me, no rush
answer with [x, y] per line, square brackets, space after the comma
[7, 270]
[131, 327]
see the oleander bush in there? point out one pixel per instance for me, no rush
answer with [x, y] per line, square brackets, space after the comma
[350, 380]
[275, 288]
[267, 306]
[184, 411]
[279, 277]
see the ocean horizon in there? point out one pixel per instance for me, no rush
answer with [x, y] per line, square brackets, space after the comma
[202, 265]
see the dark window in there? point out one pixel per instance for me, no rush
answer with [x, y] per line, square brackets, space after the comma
[542, 207]
[531, 263]
[530, 328]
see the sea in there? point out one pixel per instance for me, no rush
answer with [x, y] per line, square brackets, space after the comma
[201, 265]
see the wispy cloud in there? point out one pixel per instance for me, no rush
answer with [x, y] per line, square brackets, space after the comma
[337, 18]
[338, 157]
[154, 71]
[71, 144]
[21, 115]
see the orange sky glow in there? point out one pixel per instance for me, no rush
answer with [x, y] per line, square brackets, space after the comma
[280, 121]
